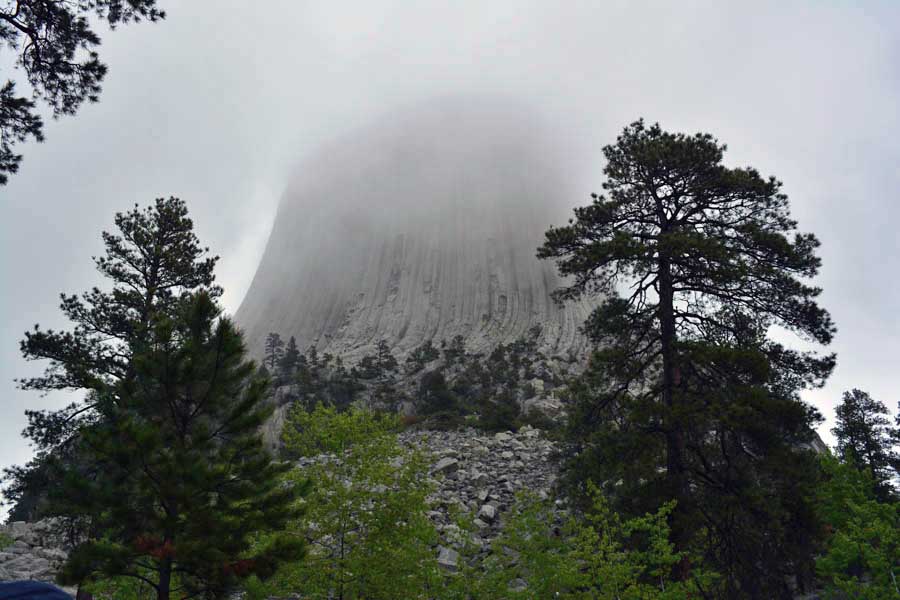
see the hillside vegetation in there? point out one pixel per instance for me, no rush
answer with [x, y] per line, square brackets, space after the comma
[675, 460]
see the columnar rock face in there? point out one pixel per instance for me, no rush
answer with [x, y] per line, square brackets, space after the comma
[423, 226]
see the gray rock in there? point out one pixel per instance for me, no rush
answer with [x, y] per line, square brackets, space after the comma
[487, 513]
[17, 529]
[415, 270]
[18, 547]
[529, 432]
[52, 554]
[445, 465]
[518, 585]
[448, 558]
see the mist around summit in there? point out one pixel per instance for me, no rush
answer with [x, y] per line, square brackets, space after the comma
[422, 225]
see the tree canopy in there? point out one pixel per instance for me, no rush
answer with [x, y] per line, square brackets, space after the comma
[695, 260]
[56, 44]
[864, 439]
[153, 262]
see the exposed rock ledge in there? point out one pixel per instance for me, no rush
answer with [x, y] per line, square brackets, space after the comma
[36, 552]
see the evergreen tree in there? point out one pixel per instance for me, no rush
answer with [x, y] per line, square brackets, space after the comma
[153, 261]
[698, 243]
[863, 435]
[55, 46]
[421, 356]
[381, 368]
[274, 350]
[289, 362]
[179, 478]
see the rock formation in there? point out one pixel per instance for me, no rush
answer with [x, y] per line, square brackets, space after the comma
[423, 226]
[35, 552]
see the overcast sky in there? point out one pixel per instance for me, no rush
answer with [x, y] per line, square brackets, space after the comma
[218, 102]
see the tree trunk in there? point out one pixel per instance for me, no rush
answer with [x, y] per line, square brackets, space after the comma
[165, 580]
[675, 473]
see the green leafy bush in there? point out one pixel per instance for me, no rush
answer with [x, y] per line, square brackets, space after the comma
[365, 520]
[595, 556]
[862, 557]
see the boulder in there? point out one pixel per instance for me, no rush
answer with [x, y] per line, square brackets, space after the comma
[448, 558]
[487, 513]
[445, 465]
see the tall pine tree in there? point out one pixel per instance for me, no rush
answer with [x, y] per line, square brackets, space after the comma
[158, 466]
[178, 479]
[274, 349]
[153, 260]
[864, 439]
[702, 249]
[289, 362]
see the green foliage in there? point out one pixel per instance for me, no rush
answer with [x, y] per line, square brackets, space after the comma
[274, 351]
[379, 365]
[751, 510]
[149, 280]
[289, 362]
[324, 379]
[597, 555]
[421, 356]
[327, 430]
[123, 588]
[862, 555]
[366, 518]
[5, 541]
[864, 439]
[161, 471]
[380, 370]
[435, 396]
[686, 398]
[460, 384]
[179, 480]
[55, 46]
[499, 414]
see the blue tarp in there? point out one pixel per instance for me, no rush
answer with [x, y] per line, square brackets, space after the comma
[31, 590]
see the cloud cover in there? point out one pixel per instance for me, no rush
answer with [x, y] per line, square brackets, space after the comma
[217, 103]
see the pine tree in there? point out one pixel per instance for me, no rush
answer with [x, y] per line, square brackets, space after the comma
[179, 478]
[289, 362]
[864, 439]
[55, 46]
[273, 351]
[153, 261]
[701, 247]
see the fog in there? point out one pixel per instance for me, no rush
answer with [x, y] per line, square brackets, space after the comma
[421, 226]
[222, 103]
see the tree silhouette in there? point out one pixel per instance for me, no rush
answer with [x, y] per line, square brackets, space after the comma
[56, 49]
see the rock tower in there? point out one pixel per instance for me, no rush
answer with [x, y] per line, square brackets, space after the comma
[421, 226]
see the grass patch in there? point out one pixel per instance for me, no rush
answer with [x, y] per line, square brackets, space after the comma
[5, 541]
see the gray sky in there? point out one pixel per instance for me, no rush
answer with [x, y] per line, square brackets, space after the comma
[215, 105]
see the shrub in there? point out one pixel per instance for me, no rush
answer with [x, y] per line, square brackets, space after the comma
[595, 556]
[366, 521]
[863, 549]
